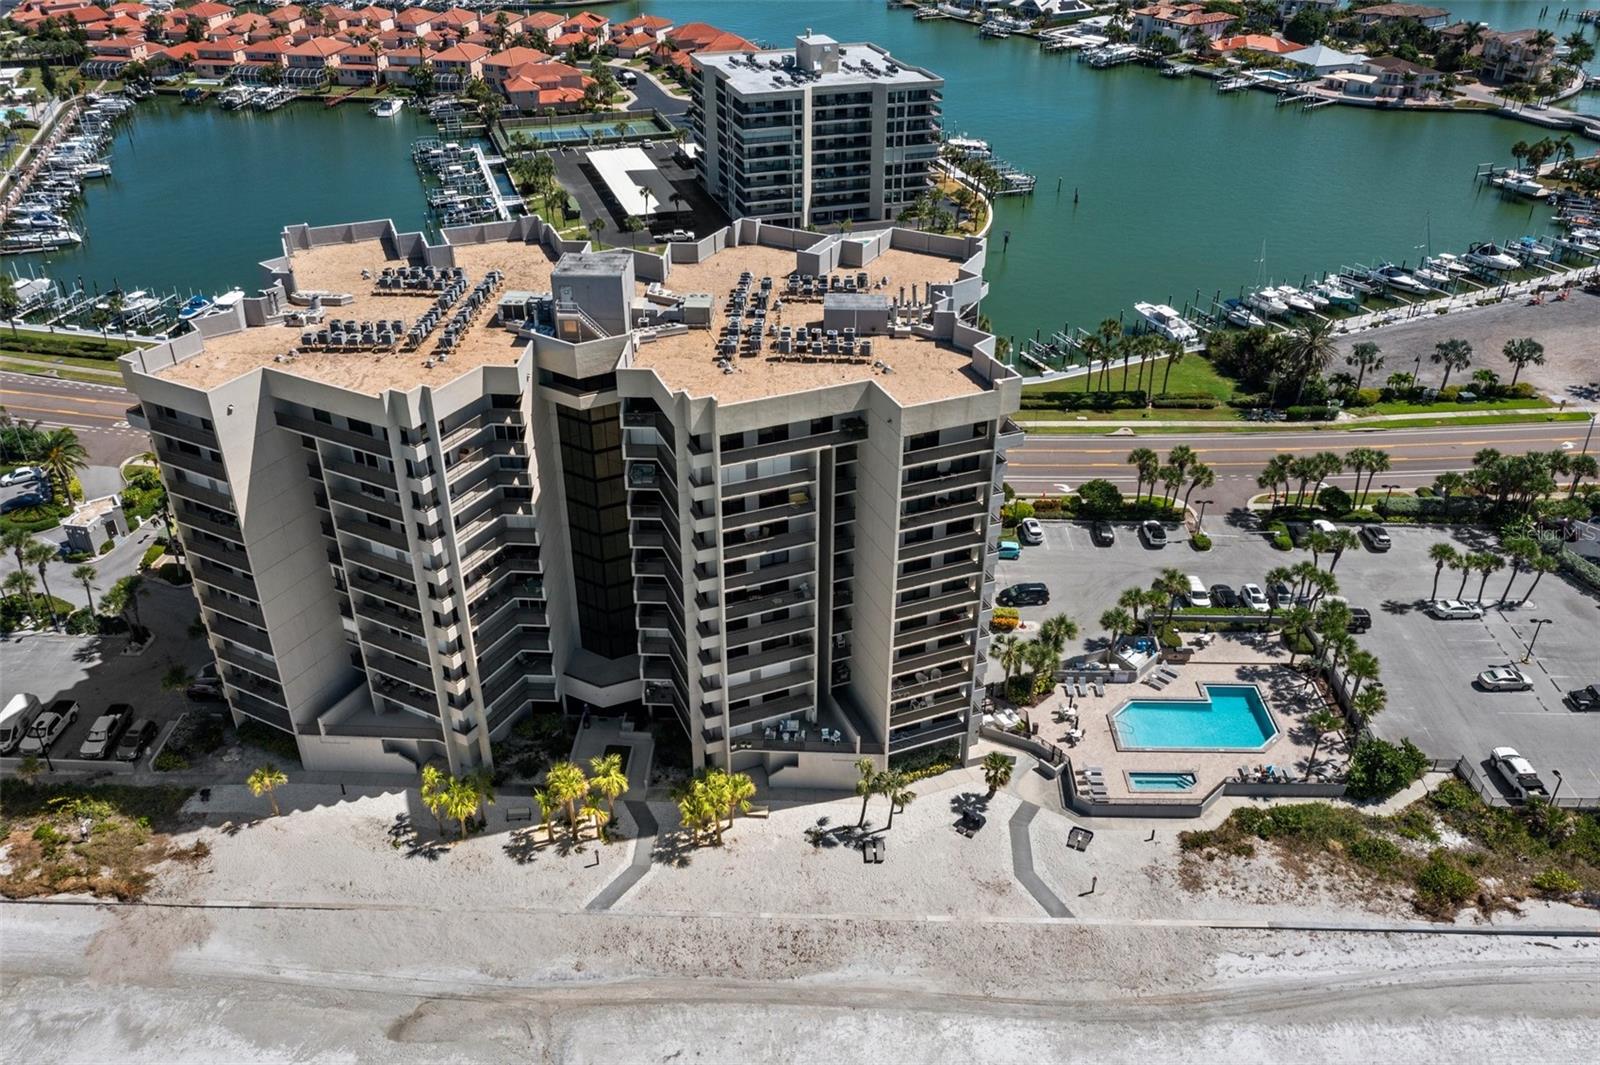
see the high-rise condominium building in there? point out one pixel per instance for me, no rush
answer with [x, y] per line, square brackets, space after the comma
[815, 134]
[752, 486]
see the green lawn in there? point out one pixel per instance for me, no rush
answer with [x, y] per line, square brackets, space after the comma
[1066, 424]
[1510, 403]
[86, 362]
[87, 376]
[37, 342]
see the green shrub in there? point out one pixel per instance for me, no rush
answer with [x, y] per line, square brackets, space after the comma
[1309, 413]
[1168, 637]
[1016, 511]
[170, 762]
[1279, 534]
[1376, 853]
[1556, 882]
[1454, 794]
[1200, 541]
[1066, 399]
[1379, 769]
[1579, 568]
[151, 553]
[1335, 500]
[1442, 886]
[1099, 497]
[1364, 397]
[1185, 402]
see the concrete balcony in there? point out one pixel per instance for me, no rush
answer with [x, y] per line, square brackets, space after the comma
[411, 650]
[770, 631]
[850, 432]
[754, 689]
[928, 709]
[398, 726]
[784, 571]
[295, 423]
[956, 656]
[912, 489]
[182, 460]
[1011, 435]
[400, 568]
[260, 709]
[199, 493]
[189, 434]
[379, 661]
[400, 593]
[381, 476]
[745, 608]
[224, 579]
[798, 648]
[237, 609]
[495, 416]
[762, 545]
[771, 710]
[933, 604]
[938, 575]
[977, 445]
[941, 544]
[190, 517]
[390, 536]
[943, 511]
[229, 629]
[361, 501]
[795, 478]
[926, 735]
[233, 656]
[911, 637]
[222, 552]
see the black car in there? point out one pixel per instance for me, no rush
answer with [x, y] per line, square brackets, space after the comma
[1222, 595]
[1584, 700]
[135, 740]
[1376, 537]
[204, 691]
[29, 499]
[1360, 619]
[1102, 534]
[1153, 534]
[1030, 594]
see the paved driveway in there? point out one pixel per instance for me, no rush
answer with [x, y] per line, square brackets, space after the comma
[1428, 665]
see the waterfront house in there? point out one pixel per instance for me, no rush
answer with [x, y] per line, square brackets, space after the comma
[546, 22]
[310, 62]
[456, 22]
[1288, 9]
[1512, 56]
[336, 18]
[1319, 60]
[116, 26]
[499, 67]
[704, 37]
[216, 59]
[589, 24]
[288, 18]
[1032, 10]
[375, 19]
[138, 11]
[546, 87]
[251, 25]
[1255, 42]
[508, 21]
[416, 21]
[208, 14]
[634, 45]
[455, 66]
[259, 57]
[1402, 79]
[1179, 22]
[401, 63]
[361, 65]
[653, 26]
[84, 16]
[1432, 18]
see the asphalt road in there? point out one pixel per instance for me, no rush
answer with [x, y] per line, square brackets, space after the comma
[1060, 463]
[99, 413]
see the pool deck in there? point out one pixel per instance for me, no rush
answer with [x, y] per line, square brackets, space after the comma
[1228, 660]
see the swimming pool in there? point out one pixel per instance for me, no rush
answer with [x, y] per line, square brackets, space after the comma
[1232, 717]
[1160, 781]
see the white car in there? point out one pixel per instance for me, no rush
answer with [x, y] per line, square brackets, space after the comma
[1517, 772]
[22, 475]
[1254, 598]
[1031, 532]
[45, 730]
[1506, 678]
[105, 732]
[1323, 525]
[1454, 610]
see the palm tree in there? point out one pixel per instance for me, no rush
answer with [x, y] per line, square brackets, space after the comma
[459, 801]
[123, 598]
[568, 785]
[16, 541]
[1117, 622]
[1452, 354]
[1011, 655]
[1175, 353]
[1487, 564]
[897, 789]
[996, 771]
[435, 782]
[1309, 350]
[1370, 702]
[1442, 555]
[63, 455]
[1043, 658]
[1364, 356]
[867, 785]
[85, 575]
[1378, 461]
[1056, 631]
[1296, 623]
[20, 584]
[1275, 473]
[1172, 583]
[597, 226]
[593, 811]
[1520, 352]
[1200, 476]
[1540, 564]
[734, 791]
[1581, 466]
[39, 556]
[548, 805]
[1340, 540]
[1519, 550]
[1360, 666]
[1321, 722]
[10, 305]
[607, 777]
[1171, 481]
[266, 780]
[1146, 463]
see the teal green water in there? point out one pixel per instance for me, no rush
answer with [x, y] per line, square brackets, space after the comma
[1180, 191]
[1231, 717]
[198, 195]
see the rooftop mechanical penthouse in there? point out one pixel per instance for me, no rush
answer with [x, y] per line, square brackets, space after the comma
[752, 484]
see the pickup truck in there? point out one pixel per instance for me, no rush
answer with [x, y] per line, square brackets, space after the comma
[1519, 773]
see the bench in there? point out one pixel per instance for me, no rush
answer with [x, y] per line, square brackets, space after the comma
[519, 813]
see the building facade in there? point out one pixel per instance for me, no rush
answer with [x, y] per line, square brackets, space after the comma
[595, 480]
[818, 134]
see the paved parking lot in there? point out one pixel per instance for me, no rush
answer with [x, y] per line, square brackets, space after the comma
[1428, 665]
[94, 672]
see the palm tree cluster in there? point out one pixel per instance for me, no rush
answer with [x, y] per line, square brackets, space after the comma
[1300, 472]
[1521, 550]
[453, 798]
[1183, 467]
[1515, 483]
[587, 799]
[892, 784]
[58, 451]
[1040, 656]
[1370, 461]
[1102, 348]
[266, 780]
[34, 557]
[711, 796]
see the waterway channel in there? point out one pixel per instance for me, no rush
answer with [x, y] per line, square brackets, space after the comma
[1180, 191]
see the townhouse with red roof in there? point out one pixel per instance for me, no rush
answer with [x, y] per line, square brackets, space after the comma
[375, 19]
[547, 86]
[649, 25]
[458, 64]
[310, 61]
[499, 67]
[216, 59]
[288, 18]
[456, 22]
[415, 21]
[360, 65]
[209, 14]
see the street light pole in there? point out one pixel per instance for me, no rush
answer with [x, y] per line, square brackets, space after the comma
[1388, 491]
[1200, 522]
[1557, 794]
[1589, 432]
[1538, 623]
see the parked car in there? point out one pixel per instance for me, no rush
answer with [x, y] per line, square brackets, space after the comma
[135, 740]
[22, 475]
[1506, 678]
[1376, 537]
[1102, 533]
[1323, 525]
[680, 235]
[1030, 594]
[1031, 532]
[1196, 593]
[1584, 699]
[1518, 772]
[210, 692]
[1360, 619]
[105, 731]
[27, 499]
[1454, 610]
[1282, 595]
[1252, 596]
[1224, 596]
[48, 727]
[1152, 533]
[15, 720]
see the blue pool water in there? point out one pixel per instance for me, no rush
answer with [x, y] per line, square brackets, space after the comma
[1231, 717]
[1160, 781]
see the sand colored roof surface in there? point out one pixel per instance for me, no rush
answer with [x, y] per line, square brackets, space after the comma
[923, 370]
[336, 268]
